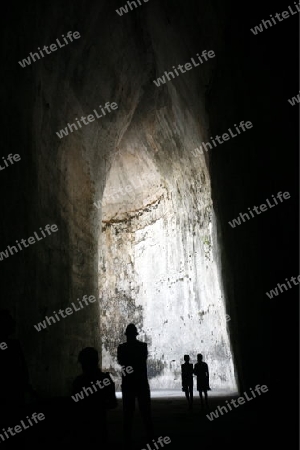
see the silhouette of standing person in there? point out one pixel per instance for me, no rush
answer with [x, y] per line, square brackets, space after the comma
[135, 384]
[187, 380]
[202, 373]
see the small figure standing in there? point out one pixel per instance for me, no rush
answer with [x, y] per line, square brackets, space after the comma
[187, 380]
[202, 373]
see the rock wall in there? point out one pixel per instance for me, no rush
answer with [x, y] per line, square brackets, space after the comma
[158, 269]
[59, 180]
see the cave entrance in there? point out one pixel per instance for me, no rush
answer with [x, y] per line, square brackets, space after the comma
[157, 269]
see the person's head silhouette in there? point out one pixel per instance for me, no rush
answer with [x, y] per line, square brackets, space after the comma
[199, 357]
[131, 332]
[186, 358]
[89, 359]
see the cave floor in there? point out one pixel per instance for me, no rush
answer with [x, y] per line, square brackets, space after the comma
[244, 427]
[192, 429]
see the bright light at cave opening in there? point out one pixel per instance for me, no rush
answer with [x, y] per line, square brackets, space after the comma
[157, 269]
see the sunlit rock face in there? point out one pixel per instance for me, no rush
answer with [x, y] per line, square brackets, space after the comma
[158, 269]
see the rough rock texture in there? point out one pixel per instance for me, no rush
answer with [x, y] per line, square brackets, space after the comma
[158, 270]
[59, 180]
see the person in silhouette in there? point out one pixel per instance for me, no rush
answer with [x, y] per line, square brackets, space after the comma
[134, 353]
[187, 380]
[93, 397]
[202, 374]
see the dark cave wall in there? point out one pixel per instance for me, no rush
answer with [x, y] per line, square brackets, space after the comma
[49, 185]
[52, 273]
[251, 83]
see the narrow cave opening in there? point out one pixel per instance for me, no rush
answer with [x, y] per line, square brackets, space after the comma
[158, 269]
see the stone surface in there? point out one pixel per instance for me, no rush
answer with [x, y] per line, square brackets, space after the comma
[157, 269]
[58, 181]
